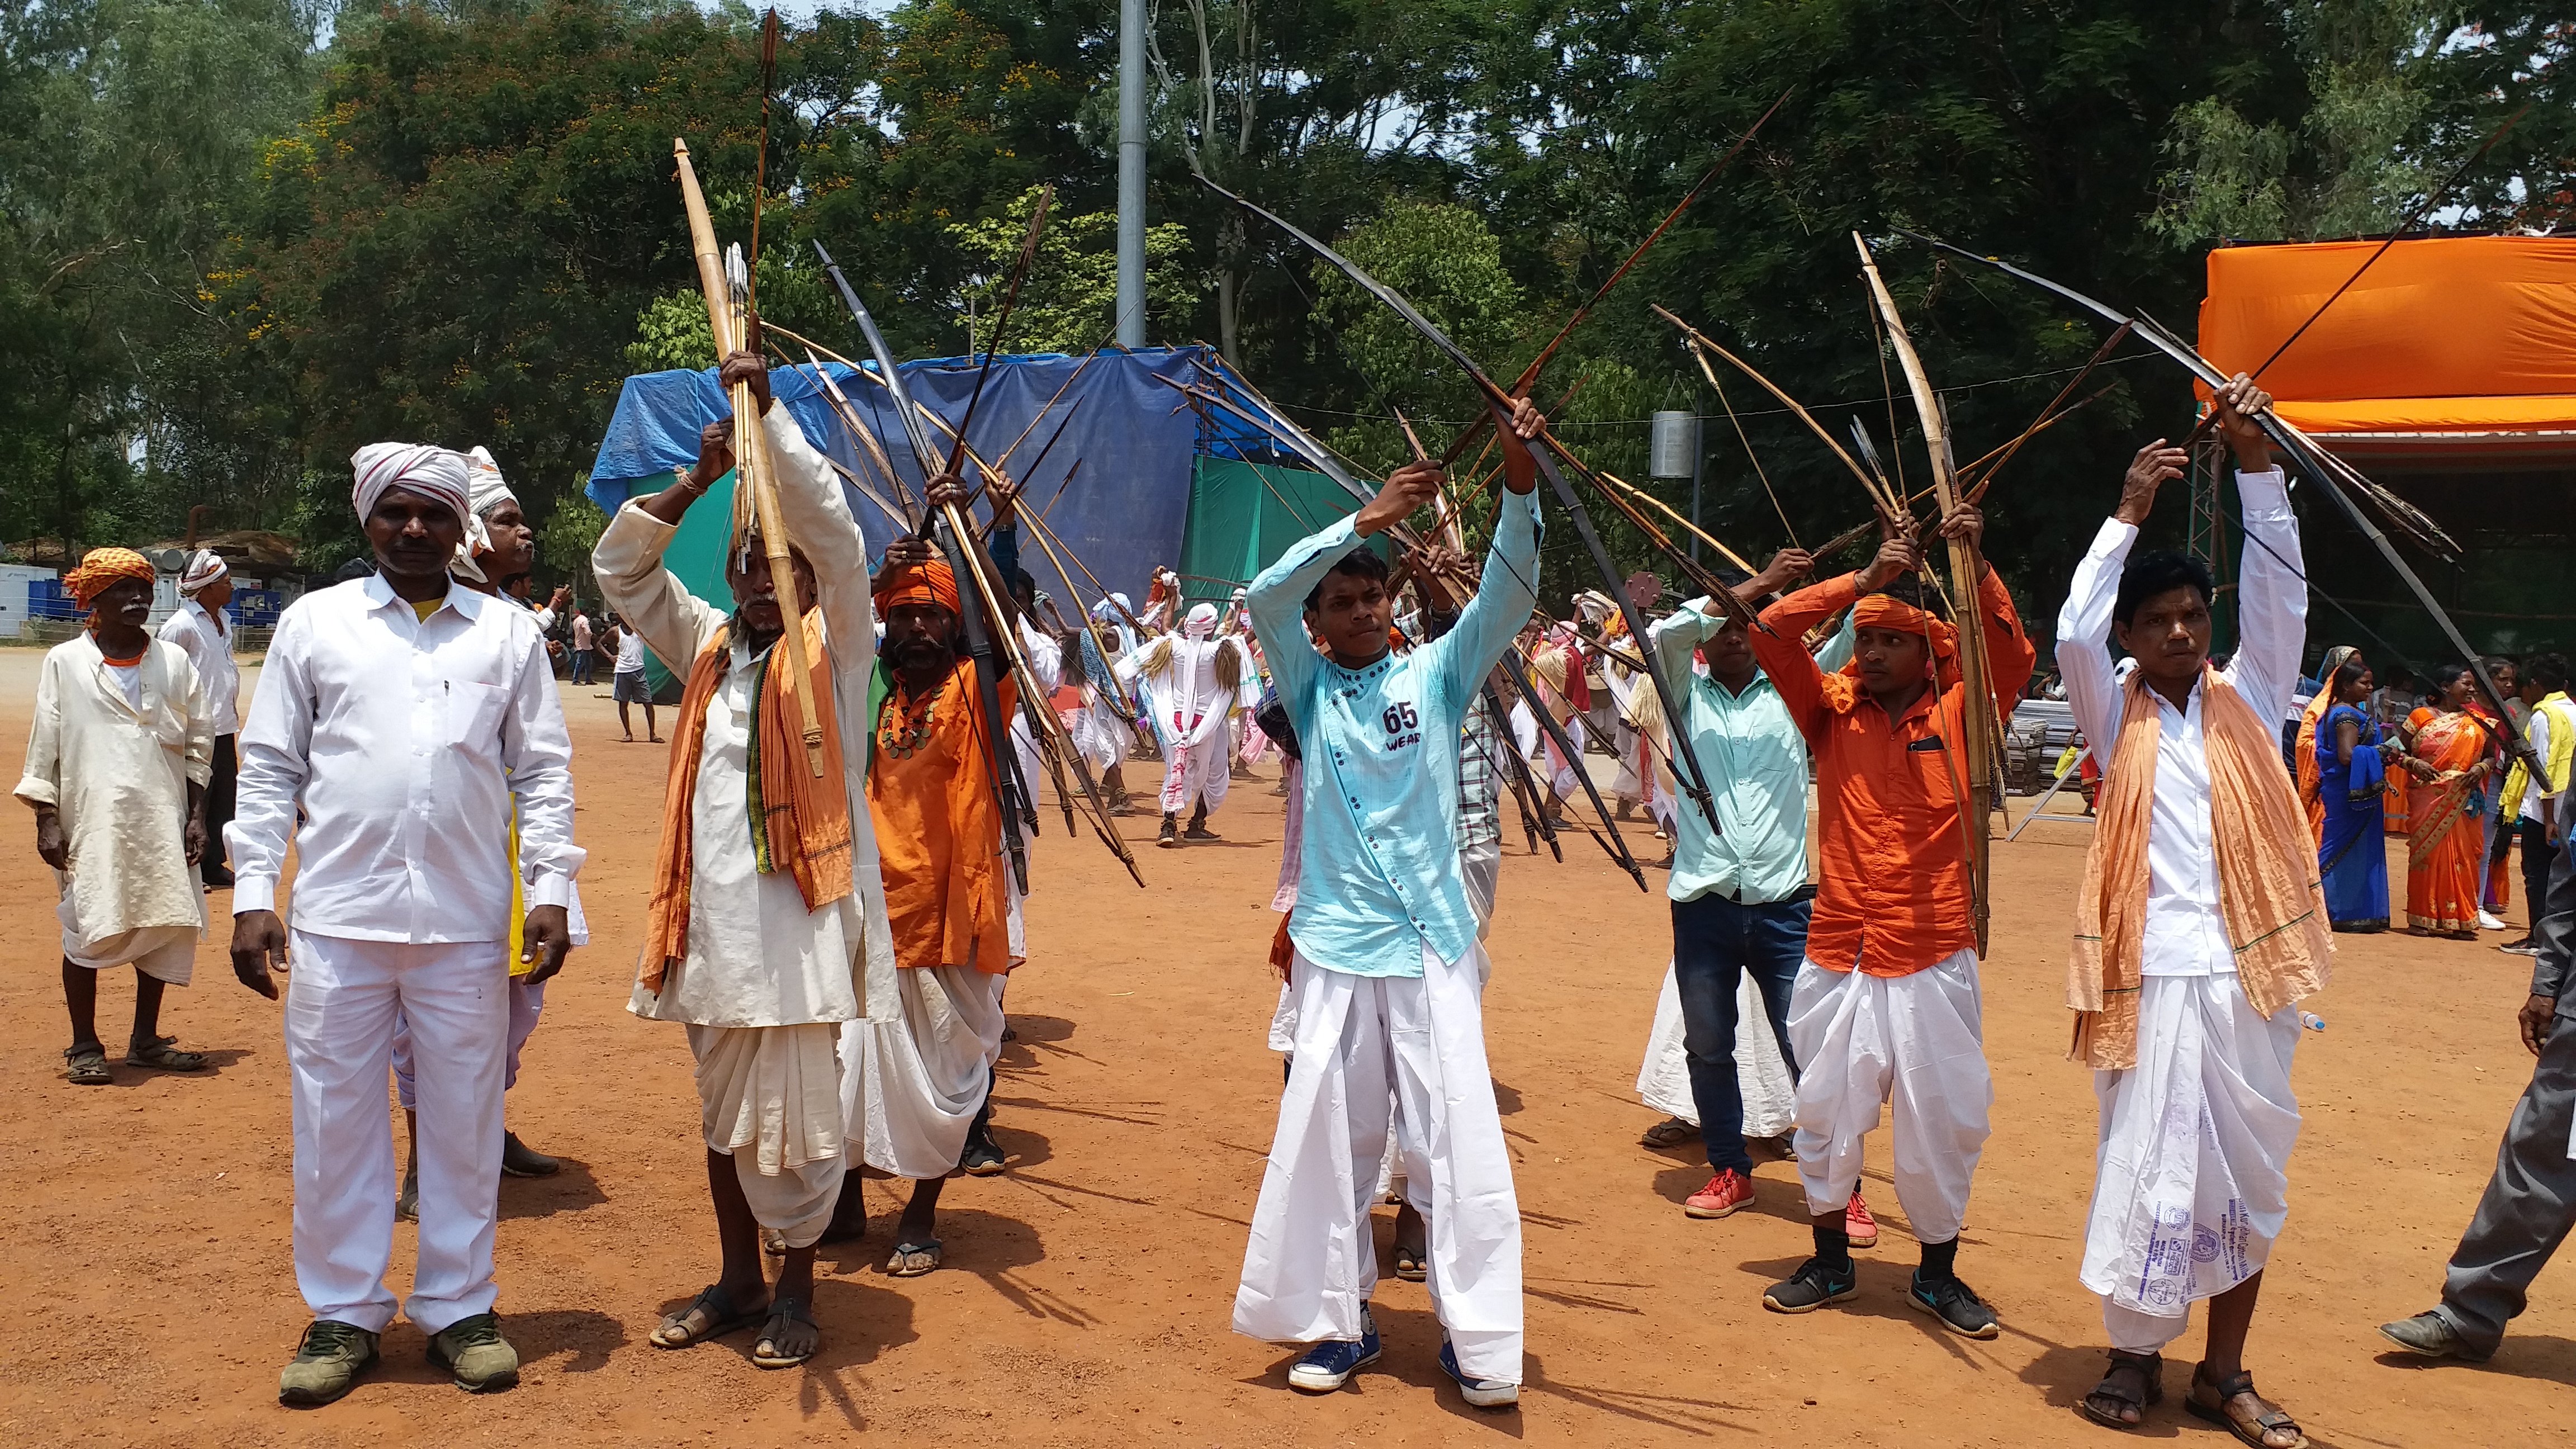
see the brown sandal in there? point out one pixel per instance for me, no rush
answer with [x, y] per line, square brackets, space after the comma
[2151, 1370]
[2273, 1419]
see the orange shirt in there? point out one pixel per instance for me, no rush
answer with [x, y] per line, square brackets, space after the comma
[939, 833]
[1892, 897]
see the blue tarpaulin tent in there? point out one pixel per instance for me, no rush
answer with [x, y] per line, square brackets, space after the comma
[1133, 445]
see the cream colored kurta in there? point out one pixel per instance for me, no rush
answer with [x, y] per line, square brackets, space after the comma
[119, 777]
[755, 955]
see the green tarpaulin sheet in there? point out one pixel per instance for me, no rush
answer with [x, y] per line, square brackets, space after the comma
[1243, 516]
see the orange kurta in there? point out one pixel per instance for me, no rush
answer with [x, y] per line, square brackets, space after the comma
[1893, 897]
[939, 832]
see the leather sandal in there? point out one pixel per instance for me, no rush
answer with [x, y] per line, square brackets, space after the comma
[2151, 1368]
[2273, 1419]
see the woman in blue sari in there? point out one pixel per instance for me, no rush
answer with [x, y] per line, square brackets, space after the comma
[2351, 777]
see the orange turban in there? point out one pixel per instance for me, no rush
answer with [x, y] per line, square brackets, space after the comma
[1878, 611]
[101, 567]
[929, 583]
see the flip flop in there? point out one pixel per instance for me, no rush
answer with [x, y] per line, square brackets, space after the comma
[904, 1263]
[722, 1318]
[764, 1353]
[88, 1066]
[162, 1054]
[1408, 1265]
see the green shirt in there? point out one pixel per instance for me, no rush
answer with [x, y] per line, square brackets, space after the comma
[1756, 764]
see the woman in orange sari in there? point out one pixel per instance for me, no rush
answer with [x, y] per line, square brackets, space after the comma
[2450, 750]
[2303, 750]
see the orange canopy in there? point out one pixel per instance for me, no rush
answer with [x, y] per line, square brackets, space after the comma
[2441, 335]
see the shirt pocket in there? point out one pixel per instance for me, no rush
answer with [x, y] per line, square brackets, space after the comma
[474, 715]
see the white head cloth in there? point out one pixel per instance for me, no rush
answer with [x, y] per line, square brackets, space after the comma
[1201, 622]
[1108, 610]
[485, 489]
[204, 567]
[435, 473]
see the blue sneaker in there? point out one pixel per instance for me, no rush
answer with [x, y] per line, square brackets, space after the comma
[1329, 1365]
[1482, 1393]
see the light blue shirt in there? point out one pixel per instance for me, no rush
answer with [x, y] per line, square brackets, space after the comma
[1756, 763]
[1379, 878]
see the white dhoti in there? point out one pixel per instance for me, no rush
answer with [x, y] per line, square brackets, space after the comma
[165, 953]
[341, 1000]
[919, 1067]
[2192, 1182]
[770, 1098]
[1914, 1042]
[1374, 1054]
[1761, 1073]
[1197, 773]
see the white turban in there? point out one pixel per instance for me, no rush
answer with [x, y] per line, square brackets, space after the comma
[486, 489]
[203, 568]
[1201, 622]
[435, 473]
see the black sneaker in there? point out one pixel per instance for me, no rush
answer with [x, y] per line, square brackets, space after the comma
[1955, 1304]
[1812, 1287]
[982, 1158]
[1170, 838]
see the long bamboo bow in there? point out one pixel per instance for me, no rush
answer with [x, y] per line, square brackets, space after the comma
[1499, 403]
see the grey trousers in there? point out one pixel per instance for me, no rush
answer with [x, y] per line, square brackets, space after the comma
[2530, 1202]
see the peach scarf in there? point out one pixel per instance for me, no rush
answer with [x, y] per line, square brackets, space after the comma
[2268, 891]
[803, 823]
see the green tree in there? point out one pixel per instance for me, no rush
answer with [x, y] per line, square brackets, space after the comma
[1069, 299]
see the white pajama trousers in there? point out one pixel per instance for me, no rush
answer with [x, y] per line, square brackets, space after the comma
[2192, 1182]
[911, 1085]
[1915, 1043]
[527, 1003]
[1374, 1054]
[1193, 773]
[341, 1000]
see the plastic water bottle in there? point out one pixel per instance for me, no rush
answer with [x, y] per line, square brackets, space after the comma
[2312, 1021]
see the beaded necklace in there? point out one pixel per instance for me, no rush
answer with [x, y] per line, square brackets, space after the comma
[914, 730]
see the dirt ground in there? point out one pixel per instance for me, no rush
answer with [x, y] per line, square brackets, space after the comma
[1086, 1293]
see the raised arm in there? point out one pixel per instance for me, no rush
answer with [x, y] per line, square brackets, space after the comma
[647, 598]
[819, 520]
[1782, 649]
[2084, 622]
[1277, 600]
[1505, 594]
[2272, 586]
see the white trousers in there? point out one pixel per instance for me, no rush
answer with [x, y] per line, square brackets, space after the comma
[1761, 1074]
[527, 1003]
[1914, 1042]
[2192, 1180]
[1375, 1054]
[769, 1097]
[1032, 768]
[341, 1000]
[1195, 773]
[911, 1085]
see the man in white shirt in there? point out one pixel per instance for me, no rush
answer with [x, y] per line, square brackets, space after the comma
[1046, 662]
[116, 773]
[629, 686]
[2199, 925]
[202, 633]
[399, 714]
[1195, 681]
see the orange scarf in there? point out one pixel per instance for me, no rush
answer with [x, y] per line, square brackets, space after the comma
[2268, 892]
[805, 822]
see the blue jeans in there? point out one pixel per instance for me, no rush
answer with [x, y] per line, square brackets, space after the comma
[1714, 939]
[581, 664]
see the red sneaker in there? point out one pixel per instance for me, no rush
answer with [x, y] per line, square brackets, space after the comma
[1858, 1225]
[1725, 1193]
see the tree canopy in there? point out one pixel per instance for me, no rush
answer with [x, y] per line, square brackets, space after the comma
[244, 236]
